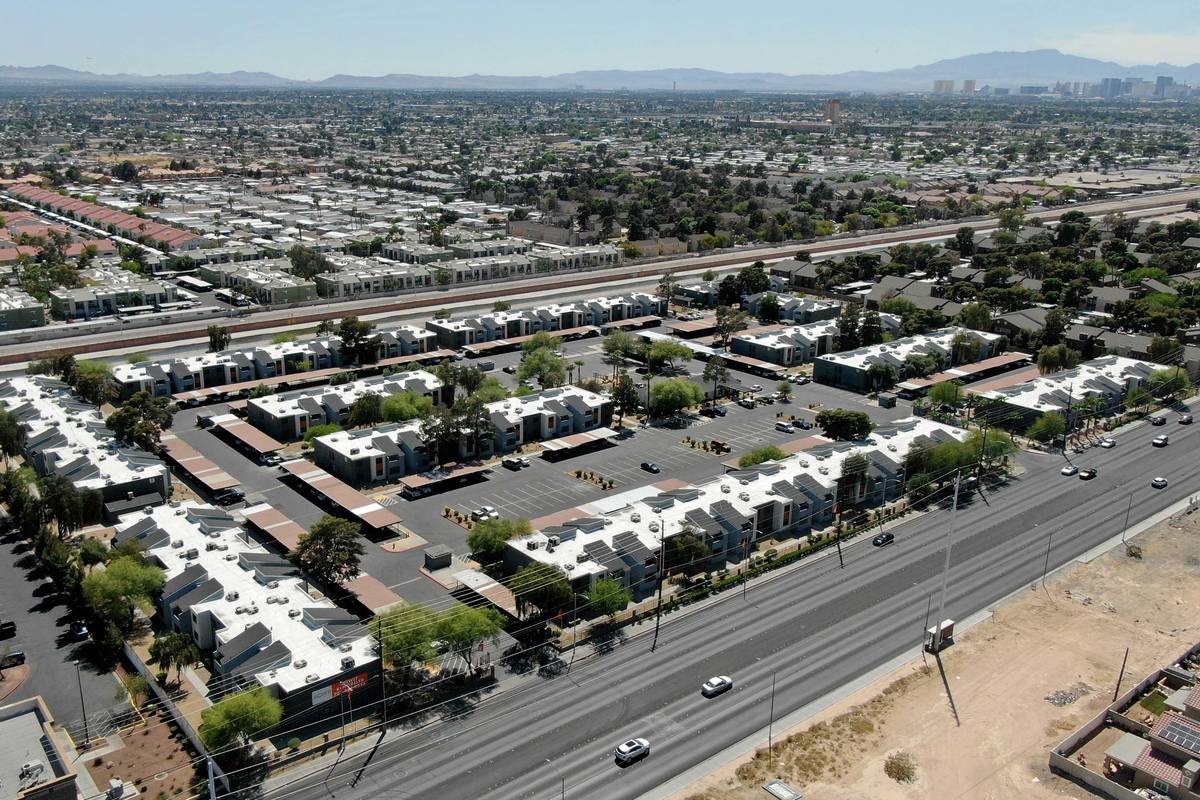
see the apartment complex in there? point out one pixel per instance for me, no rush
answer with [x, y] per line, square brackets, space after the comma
[620, 536]
[268, 281]
[797, 344]
[66, 436]
[18, 309]
[118, 291]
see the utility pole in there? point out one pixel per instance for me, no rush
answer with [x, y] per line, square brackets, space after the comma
[1128, 509]
[1046, 566]
[662, 562]
[946, 568]
[87, 737]
[574, 627]
[771, 725]
[382, 673]
[1120, 675]
[1067, 434]
[212, 788]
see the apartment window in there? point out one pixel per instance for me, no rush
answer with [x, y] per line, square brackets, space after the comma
[1161, 786]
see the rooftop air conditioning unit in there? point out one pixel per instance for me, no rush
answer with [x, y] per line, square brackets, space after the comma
[311, 677]
[581, 557]
[240, 610]
[532, 544]
[552, 541]
[635, 517]
[345, 648]
[177, 543]
[725, 488]
[231, 557]
[824, 470]
[804, 462]
[179, 512]
[271, 599]
[654, 527]
[283, 601]
[232, 596]
[569, 567]
[347, 662]
[192, 553]
[300, 663]
[273, 585]
[295, 612]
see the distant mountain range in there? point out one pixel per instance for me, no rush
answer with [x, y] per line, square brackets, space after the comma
[1008, 69]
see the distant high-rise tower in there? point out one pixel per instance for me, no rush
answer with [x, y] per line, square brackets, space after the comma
[969, 86]
[833, 111]
[1164, 86]
[943, 87]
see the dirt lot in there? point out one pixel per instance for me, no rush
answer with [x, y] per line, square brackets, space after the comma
[155, 742]
[1070, 636]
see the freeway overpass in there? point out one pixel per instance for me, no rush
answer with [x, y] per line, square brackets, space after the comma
[815, 628]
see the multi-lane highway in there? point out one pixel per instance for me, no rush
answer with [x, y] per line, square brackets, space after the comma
[377, 308]
[816, 628]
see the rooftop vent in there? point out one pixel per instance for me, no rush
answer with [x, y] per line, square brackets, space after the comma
[295, 612]
[300, 663]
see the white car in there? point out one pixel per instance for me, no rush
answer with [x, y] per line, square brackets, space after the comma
[1159, 483]
[632, 750]
[756, 387]
[716, 685]
[485, 512]
[1069, 470]
[1160, 441]
[1107, 443]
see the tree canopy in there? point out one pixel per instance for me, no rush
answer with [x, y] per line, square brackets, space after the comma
[330, 550]
[844, 425]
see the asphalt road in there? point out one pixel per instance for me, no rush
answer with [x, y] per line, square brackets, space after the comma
[815, 629]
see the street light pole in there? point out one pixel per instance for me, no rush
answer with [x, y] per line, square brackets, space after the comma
[662, 562]
[771, 725]
[562, 778]
[87, 737]
[946, 568]
[1128, 509]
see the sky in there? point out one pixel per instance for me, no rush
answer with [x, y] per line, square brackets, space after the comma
[312, 39]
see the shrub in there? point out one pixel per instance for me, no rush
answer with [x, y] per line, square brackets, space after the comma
[901, 767]
[294, 743]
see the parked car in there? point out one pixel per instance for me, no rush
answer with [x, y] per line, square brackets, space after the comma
[510, 369]
[79, 631]
[716, 685]
[802, 424]
[1088, 474]
[632, 750]
[719, 411]
[8, 629]
[226, 497]
[746, 402]
[1159, 483]
[486, 366]
[784, 427]
[803, 379]
[1156, 421]
[15, 658]
[1160, 441]
[650, 466]
[766, 399]
[515, 462]
[484, 512]
[883, 539]
[756, 387]
[270, 459]
[1069, 470]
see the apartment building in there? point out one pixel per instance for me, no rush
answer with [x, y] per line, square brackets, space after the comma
[487, 248]
[36, 764]
[251, 610]
[366, 277]
[268, 281]
[416, 253]
[288, 416]
[797, 344]
[549, 414]
[66, 436]
[122, 294]
[620, 536]
[18, 309]
[557, 259]
[849, 369]
[1107, 379]
[374, 455]
[800, 310]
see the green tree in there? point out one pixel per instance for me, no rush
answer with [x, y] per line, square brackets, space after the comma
[844, 425]
[541, 586]
[439, 430]
[308, 263]
[881, 375]
[238, 718]
[93, 381]
[367, 410]
[405, 406]
[1167, 383]
[173, 650]
[946, 393]
[976, 316]
[141, 420]
[218, 338]
[1054, 358]
[964, 242]
[12, 435]
[488, 537]
[715, 373]
[317, 431]
[1047, 427]
[760, 454]
[542, 365]
[673, 395]
[624, 393]
[408, 632]
[687, 552]
[853, 477]
[729, 320]
[618, 347]
[63, 503]
[870, 329]
[125, 585]
[608, 597]
[785, 390]
[330, 551]
[768, 308]
[463, 628]
[662, 355]
[849, 336]
[358, 344]
[541, 340]
[474, 422]
[490, 390]
[668, 287]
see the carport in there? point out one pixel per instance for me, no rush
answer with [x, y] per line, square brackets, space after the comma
[435, 477]
[294, 381]
[194, 465]
[247, 436]
[370, 513]
[565, 445]
[490, 590]
[753, 365]
[631, 323]
[272, 523]
[514, 342]
[412, 358]
[372, 594]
